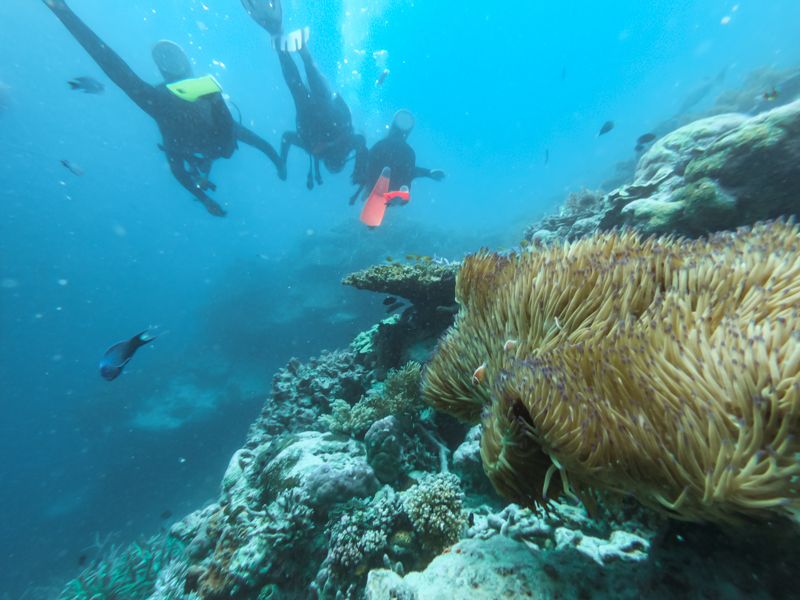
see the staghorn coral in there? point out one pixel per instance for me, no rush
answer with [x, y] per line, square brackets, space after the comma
[659, 367]
[129, 573]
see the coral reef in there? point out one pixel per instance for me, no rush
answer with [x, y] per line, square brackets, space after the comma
[662, 368]
[716, 173]
[516, 553]
[430, 286]
[398, 395]
[702, 174]
[434, 508]
[578, 216]
[301, 391]
[749, 96]
[359, 539]
[125, 573]
[423, 283]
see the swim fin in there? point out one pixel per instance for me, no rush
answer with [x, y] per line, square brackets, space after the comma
[267, 13]
[375, 207]
[293, 41]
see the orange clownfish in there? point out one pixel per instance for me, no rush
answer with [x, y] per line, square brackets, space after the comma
[479, 374]
[509, 345]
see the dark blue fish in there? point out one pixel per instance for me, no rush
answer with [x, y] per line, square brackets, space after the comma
[87, 85]
[607, 126]
[646, 138]
[394, 307]
[118, 355]
[73, 168]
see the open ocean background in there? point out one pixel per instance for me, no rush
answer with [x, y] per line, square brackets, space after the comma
[87, 261]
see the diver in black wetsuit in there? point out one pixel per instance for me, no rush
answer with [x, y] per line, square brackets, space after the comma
[394, 152]
[195, 131]
[324, 123]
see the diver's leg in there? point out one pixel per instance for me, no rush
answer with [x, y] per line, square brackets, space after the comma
[178, 167]
[289, 139]
[291, 75]
[317, 174]
[317, 83]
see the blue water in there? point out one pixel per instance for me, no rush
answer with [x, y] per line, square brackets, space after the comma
[86, 261]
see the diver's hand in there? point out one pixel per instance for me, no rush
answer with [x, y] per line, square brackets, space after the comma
[437, 174]
[213, 208]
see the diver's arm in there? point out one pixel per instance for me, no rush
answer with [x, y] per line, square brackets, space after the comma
[435, 174]
[187, 181]
[251, 139]
[361, 160]
[141, 92]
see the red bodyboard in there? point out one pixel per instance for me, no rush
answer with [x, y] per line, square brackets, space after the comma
[375, 207]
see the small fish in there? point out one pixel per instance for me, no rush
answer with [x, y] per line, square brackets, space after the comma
[546, 156]
[607, 126]
[426, 259]
[87, 85]
[646, 139]
[394, 307]
[82, 560]
[118, 355]
[382, 77]
[509, 345]
[166, 514]
[524, 243]
[389, 259]
[771, 96]
[73, 168]
[389, 300]
[471, 519]
[412, 257]
[479, 374]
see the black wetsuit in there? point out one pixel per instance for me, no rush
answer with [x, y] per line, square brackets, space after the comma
[194, 134]
[324, 123]
[394, 152]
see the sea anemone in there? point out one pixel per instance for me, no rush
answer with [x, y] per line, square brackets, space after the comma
[659, 367]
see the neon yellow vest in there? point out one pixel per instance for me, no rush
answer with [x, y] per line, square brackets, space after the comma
[195, 87]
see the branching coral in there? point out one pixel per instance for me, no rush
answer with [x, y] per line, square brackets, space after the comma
[125, 573]
[398, 396]
[434, 508]
[659, 367]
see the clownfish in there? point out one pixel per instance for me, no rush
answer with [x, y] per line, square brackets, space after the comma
[479, 374]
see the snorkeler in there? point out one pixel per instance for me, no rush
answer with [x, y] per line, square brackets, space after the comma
[195, 123]
[324, 125]
[394, 152]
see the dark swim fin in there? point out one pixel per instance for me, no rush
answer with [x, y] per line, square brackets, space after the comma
[213, 208]
[375, 207]
[267, 13]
